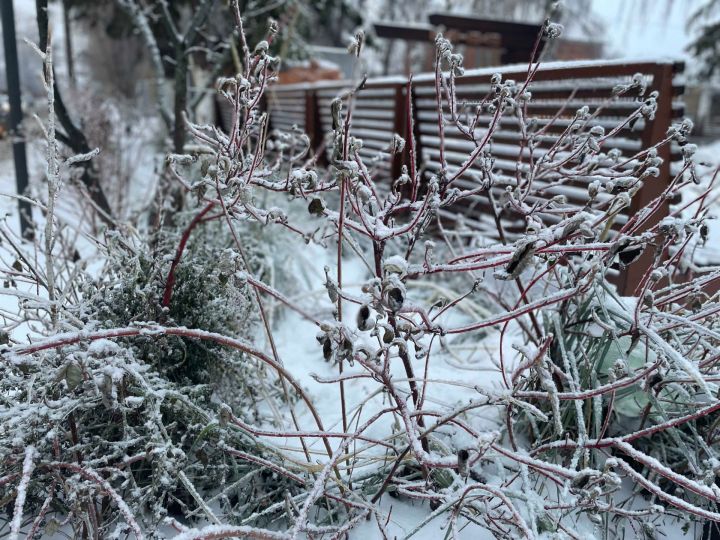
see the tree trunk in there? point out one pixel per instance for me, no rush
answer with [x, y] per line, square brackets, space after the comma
[181, 67]
[68, 43]
[73, 137]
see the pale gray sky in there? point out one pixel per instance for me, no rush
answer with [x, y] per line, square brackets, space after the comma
[642, 28]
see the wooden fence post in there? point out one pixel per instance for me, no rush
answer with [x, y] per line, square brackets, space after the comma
[415, 131]
[313, 127]
[399, 127]
[653, 187]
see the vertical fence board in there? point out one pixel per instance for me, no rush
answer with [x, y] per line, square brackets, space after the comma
[653, 187]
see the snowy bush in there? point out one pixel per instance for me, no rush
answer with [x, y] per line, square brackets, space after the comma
[145, 404]
[114, 447]
[206, 294]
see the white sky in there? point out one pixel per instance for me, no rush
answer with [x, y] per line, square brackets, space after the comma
[644, 28]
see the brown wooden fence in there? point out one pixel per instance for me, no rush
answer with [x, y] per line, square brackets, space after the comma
[558, 90]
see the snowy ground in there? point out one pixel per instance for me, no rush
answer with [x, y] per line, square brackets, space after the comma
[709, 155]
[302, 355]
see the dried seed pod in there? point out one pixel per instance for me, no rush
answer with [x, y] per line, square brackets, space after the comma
[371, 286]
[593, 189]
[395, 298]
[331, 286]
[519, 261]
[397, 144]
[462, 462]
[688, 150]
[652, 381]
[327, 349]
[704, 232]
[388, 336]
[276, 215]
[225, 414]
[630, 254]
[335, 108]
[364, 321]
[395, 265]
[552, 30]
[346, 350]
[356, 45]
[597, 131]
[316, 206]
[649, 298]
[657, 275]
[261, 48]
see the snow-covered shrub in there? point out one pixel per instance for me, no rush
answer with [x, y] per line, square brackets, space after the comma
[207, 294]
[656, 393]
[114, 447]
[581, 360]
[591, 379]
[121, 436]
[118, 436]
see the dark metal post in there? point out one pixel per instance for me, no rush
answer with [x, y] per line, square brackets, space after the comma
[68, 43]
[18, 140]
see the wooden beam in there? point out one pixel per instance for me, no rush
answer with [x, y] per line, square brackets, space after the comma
[655, 131]
[517, 39]
[513, 32]
[422, 33]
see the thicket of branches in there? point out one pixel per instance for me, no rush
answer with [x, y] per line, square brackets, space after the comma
[154, 400]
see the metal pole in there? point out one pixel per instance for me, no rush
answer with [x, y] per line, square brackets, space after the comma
[18, 139]
[68, 43]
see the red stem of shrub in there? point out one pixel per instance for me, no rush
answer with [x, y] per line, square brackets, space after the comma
[170, 281]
